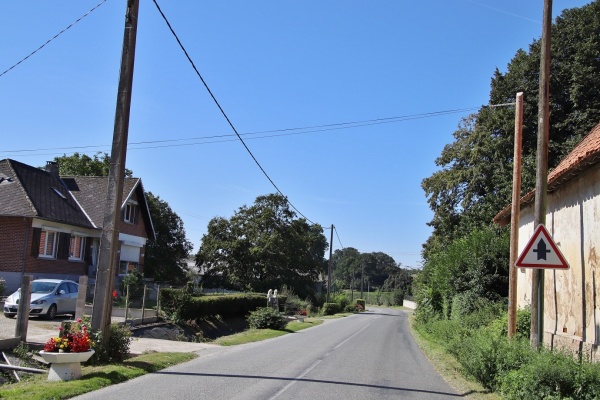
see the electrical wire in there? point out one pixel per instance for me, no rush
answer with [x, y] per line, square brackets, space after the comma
[299, 131]
[54, 37]
[223, 111]
[338, 236]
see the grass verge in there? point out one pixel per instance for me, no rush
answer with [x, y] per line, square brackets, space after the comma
[94, 377]
[256, 335]
[447, 366]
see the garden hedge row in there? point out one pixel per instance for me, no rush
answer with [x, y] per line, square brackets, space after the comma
[182, 305]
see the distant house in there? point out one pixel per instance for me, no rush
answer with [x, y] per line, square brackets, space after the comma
[571, 297]
[50, 226]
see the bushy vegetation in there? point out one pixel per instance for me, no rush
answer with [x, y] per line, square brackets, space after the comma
[478, 340]
[2, 286]
[331, 308]
[117, 349]
[267, 318]
[180, 305]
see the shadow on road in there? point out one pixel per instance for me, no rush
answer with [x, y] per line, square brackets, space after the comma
[282, 378]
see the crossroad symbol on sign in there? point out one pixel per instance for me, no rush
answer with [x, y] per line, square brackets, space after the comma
[541, 252]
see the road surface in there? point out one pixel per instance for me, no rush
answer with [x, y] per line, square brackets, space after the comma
[370, 355]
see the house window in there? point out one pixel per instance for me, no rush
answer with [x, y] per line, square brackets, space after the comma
[126, 267]
[48, 244]
[76, 247]
[130, 212]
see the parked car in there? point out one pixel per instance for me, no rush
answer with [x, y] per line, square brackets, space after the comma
[49, 297]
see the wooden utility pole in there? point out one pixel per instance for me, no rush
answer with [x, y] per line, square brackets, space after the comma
[329, 264]
[541, 178]
[109, 243]
[514, 220]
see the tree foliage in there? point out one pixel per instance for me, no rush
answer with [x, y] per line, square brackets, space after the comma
[474, 266]
[380, 269]
[84, 165]
[475, 179]
[262, 247]
[166, 256]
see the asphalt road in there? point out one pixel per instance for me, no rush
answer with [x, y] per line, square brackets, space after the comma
[371, 355]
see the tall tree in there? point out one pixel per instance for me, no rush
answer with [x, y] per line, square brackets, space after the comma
[263, 247]
[166, 256]
[84, 165]
[475, 179]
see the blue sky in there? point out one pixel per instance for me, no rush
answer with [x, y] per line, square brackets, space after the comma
[272, 65]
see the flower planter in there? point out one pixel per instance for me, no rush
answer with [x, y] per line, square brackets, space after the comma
[65, 366]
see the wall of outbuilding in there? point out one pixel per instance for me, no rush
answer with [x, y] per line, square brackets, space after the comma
[571, 297]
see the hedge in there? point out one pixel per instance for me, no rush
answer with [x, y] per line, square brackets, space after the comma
[181, 305]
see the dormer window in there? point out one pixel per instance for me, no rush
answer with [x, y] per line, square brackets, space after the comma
[130, 213]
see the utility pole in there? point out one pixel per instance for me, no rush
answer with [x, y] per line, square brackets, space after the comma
[109, 242]
[541, 178]
[362, 280]
[329, 264]
[514, 222]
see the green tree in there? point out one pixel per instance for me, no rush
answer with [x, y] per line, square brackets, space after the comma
[84, 165]
[166, 256]
[475, 266]
[346, 265]
[263, 247]
[475, 179]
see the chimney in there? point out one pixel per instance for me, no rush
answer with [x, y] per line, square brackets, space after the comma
[52, 169]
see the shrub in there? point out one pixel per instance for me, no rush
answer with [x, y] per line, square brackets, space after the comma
[331, 308]
[552, 376]
[181, 306]
[398, 297]
[266, 318]
[2, 286]
[117, 349]
[361, 303]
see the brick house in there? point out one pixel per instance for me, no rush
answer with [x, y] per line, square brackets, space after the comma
[50, 226]
[571, 297]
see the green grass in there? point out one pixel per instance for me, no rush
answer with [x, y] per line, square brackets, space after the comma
[256, 335]
[95, 377]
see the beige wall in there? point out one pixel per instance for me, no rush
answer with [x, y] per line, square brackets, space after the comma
[571, 297]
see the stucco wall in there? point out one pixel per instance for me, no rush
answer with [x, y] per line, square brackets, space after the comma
[571, 303]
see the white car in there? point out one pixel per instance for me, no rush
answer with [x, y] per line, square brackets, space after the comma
[49, 297]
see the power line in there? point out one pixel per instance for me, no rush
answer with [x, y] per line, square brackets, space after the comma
[299, 131]
[223, 111]
[54, 37]
[338, 237]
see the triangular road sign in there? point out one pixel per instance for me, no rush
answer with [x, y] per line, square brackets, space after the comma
[541, 252]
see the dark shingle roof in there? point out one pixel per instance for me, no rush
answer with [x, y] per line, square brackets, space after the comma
[583, 156]
[32, 192]
[90, 193]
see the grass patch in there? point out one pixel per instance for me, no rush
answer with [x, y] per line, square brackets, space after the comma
[256, 335]
[449, 368]
[94, 377]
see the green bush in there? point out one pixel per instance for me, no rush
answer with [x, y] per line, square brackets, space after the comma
[2, 286]
[181, 306]
[135, 281]
[266, 318]
[551, 375]
[331, 308]
[361, 303]
[398, 297]
[117, 349]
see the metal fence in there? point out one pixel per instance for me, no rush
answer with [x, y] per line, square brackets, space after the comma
[130, 305]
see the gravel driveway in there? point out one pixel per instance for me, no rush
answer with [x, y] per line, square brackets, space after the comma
[38, 330]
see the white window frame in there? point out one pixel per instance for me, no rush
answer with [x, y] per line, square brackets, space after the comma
[129, 213]
[44, 243]
[72, 248]
[124, 267]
